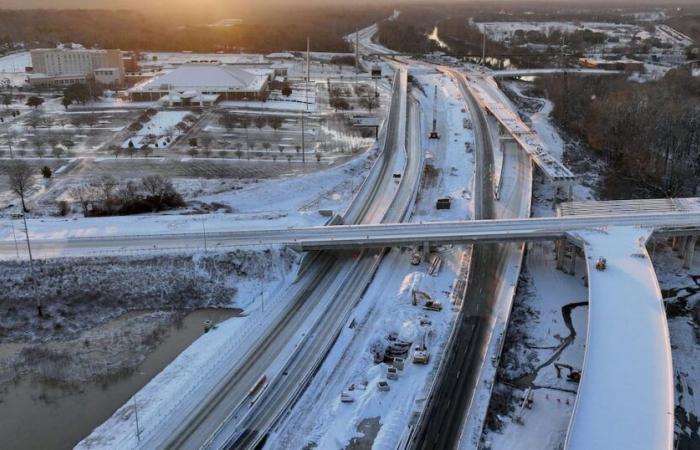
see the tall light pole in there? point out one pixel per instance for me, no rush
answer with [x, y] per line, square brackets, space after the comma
[39, 307]
[136, 414]
[303, 139]
[14, 236]
[204, 235]
[308, 69]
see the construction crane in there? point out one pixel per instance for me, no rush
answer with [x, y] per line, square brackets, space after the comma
[433, 133]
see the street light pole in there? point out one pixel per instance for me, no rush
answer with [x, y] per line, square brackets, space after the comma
[136, 414]
[204, 235]
[39, 307]
[303, 140]
[14, 236]
[29, 247]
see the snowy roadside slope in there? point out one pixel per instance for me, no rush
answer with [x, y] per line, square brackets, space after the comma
[293, 201]
[625, 399]
[199, 361]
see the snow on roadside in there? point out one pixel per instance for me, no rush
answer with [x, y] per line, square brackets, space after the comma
[167, 390]
[293, 201]
[319, 417]
[681, 290]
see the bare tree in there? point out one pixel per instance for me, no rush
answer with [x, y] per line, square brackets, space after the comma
[57, 151]
[21, 180]
[84, 195]
[260, 122]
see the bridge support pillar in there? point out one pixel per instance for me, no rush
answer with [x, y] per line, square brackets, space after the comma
[689, 251]
[572, 265]
[559, 246]
[676, 242]
[681, 243]
[426, 250]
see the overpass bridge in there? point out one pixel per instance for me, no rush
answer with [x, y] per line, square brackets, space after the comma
[350, 237]
[552, 71]
[513, 130]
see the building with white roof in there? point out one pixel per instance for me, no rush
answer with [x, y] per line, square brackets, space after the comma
[203, 85]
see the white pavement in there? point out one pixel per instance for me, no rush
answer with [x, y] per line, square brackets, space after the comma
[625, 399]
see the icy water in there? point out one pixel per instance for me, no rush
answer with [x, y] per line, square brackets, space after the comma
[436, 38]
[36, 415]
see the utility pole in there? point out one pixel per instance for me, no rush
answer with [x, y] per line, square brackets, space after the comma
[308, 69]
[136, 414]
[357, 50]
[204, 235]
[262, 296]
[357, 54]
[561, 53]
[29, 247]
[39, 306]
[14, 236]
[303, 139]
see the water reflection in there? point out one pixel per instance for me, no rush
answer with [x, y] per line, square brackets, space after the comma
[40, 415]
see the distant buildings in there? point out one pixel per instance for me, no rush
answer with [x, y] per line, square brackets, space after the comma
[203, 85]
[624, 64]
[63, 66]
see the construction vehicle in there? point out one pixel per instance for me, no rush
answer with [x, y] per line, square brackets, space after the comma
[433, 133]
[573, 375]
[443, 203]
[601, 264]
[432, 305]
[347, 397]
[392, 373]
[421, 355]
[419, 296]
[416, 259]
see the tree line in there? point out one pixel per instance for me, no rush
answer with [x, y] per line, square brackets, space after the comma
[648, 133]
[281, 28]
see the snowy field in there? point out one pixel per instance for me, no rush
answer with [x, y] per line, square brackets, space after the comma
[12, 68]
[15, 62]
[264, 204]
[162, 127]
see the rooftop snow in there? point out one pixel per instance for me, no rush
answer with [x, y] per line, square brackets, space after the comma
[206, 77]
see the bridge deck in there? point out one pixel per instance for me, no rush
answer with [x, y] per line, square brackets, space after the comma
[619, 207]
[625, 399]
[524, 136]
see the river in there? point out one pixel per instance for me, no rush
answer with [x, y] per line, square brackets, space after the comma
[36, 415]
